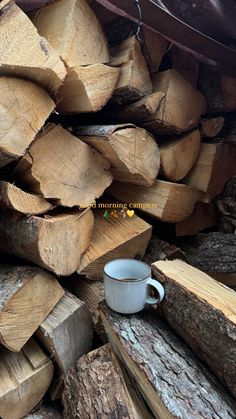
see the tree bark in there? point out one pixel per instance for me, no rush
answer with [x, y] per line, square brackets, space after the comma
[211, 127]
[46, 411]
[226, 204]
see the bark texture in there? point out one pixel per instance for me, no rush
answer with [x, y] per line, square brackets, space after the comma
[226, 204]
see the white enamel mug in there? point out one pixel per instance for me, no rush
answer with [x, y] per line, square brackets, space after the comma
[127, 285]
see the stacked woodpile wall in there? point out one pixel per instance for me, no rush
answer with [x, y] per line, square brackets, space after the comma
[104, 138]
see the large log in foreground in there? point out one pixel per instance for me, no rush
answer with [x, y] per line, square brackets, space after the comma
[28, 294]
[174, 383]
[203, 312]
[97, 387]
[55, 242]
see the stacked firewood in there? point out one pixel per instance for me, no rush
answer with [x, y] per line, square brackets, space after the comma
[148, 146]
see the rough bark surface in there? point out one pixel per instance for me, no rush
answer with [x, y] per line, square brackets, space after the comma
[226, 204]
[161, 250]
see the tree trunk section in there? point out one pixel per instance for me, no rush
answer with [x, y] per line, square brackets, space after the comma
[203, 216]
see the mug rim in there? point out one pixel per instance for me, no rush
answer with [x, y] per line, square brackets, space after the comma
[128, 280]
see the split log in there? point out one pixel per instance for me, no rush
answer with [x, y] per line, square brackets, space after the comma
[14, 199]
[123, 238]
[161, 250]
[134, 81]
[66, 335]
[211, 127]
[132, 151]
[28, 294]
[68, 170]
[179, 155]
[97, 387]
[203, 216]
[47, 411]
[23, 111]
[73, 30]
[25, 378]
[172, 380]
[215, 165]
[228, 134]
[87, 89]
[186, 64]
[154, 47]
[55, 242]
[24, 53]
[226, 205]
[202, 311]
[169, 202]
[218, 89]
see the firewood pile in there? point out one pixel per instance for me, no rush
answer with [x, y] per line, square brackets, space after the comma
[101, 143]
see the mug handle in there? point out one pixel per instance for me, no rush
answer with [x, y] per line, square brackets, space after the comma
[159, 288]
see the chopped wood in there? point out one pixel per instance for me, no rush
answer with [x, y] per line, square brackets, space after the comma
[28, 294]
[161, 250]
[87, 89]
[24, 53]
[215, 165]
[24, 109]
[186, 64]
[13, 198]
[68, 170]
[124, 238]
[97, 387]
[25, 378]
[226, 205]
[134, 81]
[203, 216]
[228, 134]
[169, 202]
[172, 380]
[132, 151]
[55, 242]
[178, 155]
[46, 411]
[73, 30]
[154, 47]
[203, 312]
[228, 279]
[211, 127]
[66, 335]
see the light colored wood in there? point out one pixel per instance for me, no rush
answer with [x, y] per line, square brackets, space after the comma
[211, 127]
[215, 165]
[124, 237]
[203, 216]
[169, 202]
[28, 294]
[13, 198]
[55, 242]
[186, 64]
[154, 47]
[173, 382]
[134, 81]
[87, 89]
[61, 167]
[132, 151]
[99, 387]
[194, 298]
[66, 335]
[178, 155]
[24, 53]
[73, 30]
[23, 110]
[25, 378]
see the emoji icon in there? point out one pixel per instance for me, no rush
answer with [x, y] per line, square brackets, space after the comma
[130, 213]
[114, 214]
[106, 214]
[122, 214]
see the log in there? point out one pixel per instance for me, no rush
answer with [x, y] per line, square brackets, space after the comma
[55, 242]
[172, 380]
[124, 238]
[154, 47]
[97, 387]
[28, 294]
[25, 378]
[68, 171]
[186, 64]
[132, 151]
[215, 165]
[211, 127]
[161, 250]
[169, 202]
[66, 334]
[203, 216]
[228, 134]
[218, 89]
[14, 199]
[87, 89]
[46, 411]
[179, 155]
[202, 311]
[134, 81]
[24, 109]
[226, 205]
[74, 32]
[24, 53]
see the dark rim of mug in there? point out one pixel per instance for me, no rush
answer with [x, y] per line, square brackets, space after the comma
[128, 280]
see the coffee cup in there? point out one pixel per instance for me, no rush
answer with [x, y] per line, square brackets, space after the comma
[128, 284]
